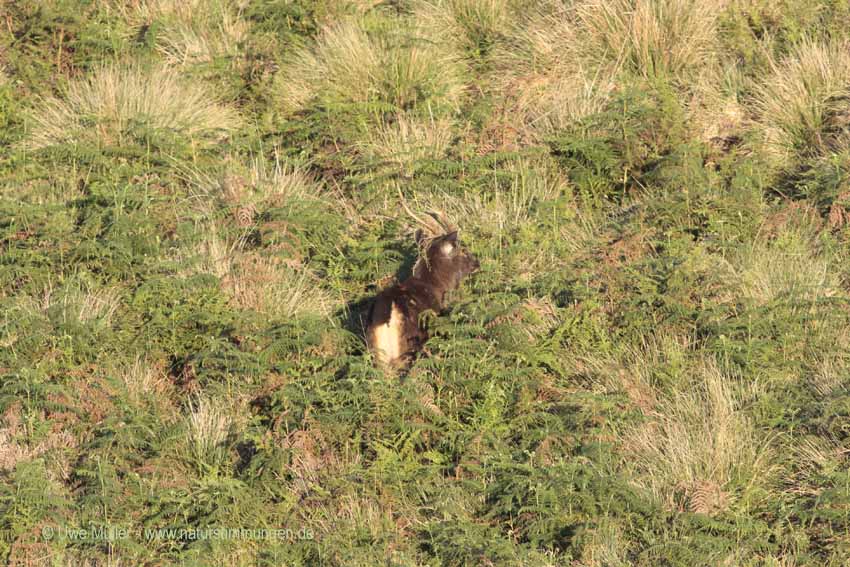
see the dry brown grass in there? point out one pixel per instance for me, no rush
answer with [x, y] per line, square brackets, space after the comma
[274, 286]
[15, 449]
[605, 548]
[144, 377]
[277, 289]
[697, 448]
[508, 205]
[398, 145]
[278, 284]
[208, 425]
[105, 108]
[191, 31]
[633, 369]
[465, 23]
[76, 300]
[348, 65]
[543, 78]
[830, 370]
[562, 63]
[651, 37]
[788, 266]
[715, 109]
[802, 104]
[343, 63]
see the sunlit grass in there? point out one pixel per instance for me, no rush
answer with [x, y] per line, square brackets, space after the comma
[788, 268]
[398, 145]
[349, 65]
[802, 102]
[649, 367]
[561, 63]
[116, 105]
[697, 449]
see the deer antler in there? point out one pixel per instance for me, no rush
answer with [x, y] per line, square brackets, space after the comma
[435, 224]
[442, 221]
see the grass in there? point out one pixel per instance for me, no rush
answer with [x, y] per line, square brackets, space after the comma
[670, 37]
[117, 106]
[351, 64]
[474, 27]
[188, 32]
[198, 201]
[697, 449]
[399, 143]
[561, 63]
[787, 268]
[801, 102]
[282, 291]
[543, 76]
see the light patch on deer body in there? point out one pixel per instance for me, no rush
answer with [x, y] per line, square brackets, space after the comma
[386, 338]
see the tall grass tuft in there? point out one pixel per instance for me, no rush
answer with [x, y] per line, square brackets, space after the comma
[716, 109]
[276, 288]
[347, 65]
[544, 78]
[473, 25]
[511, 202]
[208, 425]
[397, 145]
[190, 31]
[802, 103]
[117, 105]
[698, 449]
[561, 63]
[788, 267]
[277, 283]
[651, 37]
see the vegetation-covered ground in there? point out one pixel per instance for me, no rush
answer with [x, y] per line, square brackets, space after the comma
[199, 197]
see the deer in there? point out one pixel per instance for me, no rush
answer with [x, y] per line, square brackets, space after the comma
[395, 333]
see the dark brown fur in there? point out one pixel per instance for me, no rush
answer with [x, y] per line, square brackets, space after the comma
[445, 264]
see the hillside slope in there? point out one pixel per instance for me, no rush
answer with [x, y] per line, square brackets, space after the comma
[198, 199]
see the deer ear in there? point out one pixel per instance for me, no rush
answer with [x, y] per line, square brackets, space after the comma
[451, 237]
[419, 236]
